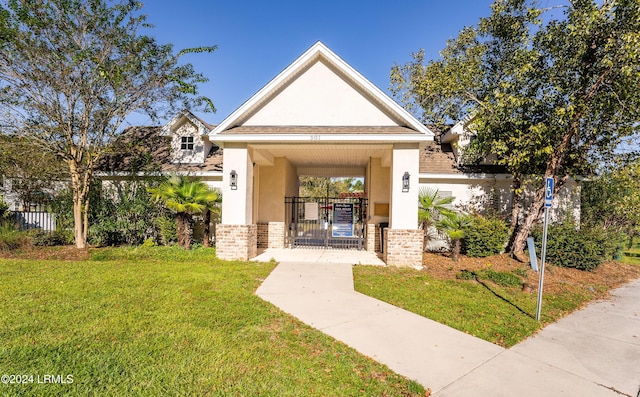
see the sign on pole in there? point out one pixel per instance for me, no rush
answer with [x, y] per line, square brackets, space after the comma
[548, 201]
[548, 195]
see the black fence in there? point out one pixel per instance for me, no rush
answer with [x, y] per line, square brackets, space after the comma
[26, 220]
[326, 222]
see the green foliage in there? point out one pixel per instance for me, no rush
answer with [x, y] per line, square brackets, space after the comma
[454, 227]
[12, 238]
[612, 200]
[43, 238]
[465, 274]
[431, 209]
[121, 213]
[72, 71]
[167, 229]
[311, 186]
[546, 94]
[125, 214]
[186, 196]
[583, 249]
[4, 210]
[503, 279]
[484, 236]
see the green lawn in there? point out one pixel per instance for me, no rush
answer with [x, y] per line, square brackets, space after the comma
[160, 321]
[501, 315]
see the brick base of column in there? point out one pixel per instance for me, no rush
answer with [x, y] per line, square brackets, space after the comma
[372, 238]
[403, 247]
[236, 242]
[276, 235]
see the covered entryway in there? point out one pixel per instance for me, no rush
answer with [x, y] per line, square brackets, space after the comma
[326, 222]
[320, 117]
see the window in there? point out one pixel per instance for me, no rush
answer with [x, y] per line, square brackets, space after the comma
[186, 143]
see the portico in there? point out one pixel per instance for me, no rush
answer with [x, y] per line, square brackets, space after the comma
[319, 117]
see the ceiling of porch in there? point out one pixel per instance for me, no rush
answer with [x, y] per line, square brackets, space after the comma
[322, 156]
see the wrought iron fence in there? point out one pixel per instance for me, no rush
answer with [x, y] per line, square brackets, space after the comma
[326, 222]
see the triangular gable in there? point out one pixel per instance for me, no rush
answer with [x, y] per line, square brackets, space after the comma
[203, 128]
[320, 89]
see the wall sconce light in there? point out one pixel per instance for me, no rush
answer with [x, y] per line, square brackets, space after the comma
[233, 182]
[405, 182]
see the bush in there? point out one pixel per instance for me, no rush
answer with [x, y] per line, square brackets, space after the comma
[484, 237]
[13, 239]
[41, 238]
[583, 249]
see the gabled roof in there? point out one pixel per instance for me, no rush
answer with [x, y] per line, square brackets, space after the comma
[143, 149]
[203, 127]
[319, 53]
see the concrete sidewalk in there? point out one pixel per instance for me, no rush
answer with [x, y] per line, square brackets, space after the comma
[593, 352]
[322, 295]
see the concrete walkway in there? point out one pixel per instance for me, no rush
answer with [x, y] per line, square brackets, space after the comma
[593, 352]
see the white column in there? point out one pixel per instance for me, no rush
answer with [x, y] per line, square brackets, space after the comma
[404, 204]
[237, 204]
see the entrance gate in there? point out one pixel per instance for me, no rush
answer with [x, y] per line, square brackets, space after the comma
[326, 222]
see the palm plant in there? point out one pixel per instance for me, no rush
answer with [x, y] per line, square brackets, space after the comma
[454, 227]
[186, 196]
[431, 209]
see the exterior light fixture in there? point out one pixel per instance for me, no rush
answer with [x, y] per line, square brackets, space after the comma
[405, 182]
[233, 182]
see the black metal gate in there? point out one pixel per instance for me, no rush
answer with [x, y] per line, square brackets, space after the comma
[326, 222]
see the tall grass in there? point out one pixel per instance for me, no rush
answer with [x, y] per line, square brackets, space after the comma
[12, 239]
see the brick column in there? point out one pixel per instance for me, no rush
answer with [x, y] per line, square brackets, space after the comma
[276, 235]
[372, 237]
[403, 247]
[236, 242]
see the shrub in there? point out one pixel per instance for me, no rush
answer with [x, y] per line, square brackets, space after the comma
[41, 238]
[484, 236]
[583, 249]
[13, 239]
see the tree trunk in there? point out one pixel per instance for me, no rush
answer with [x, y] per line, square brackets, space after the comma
[538, 201]
[534, 214]
[80, 182]
[516, 208]
[184, 230]
[455, 251]
[206, 241]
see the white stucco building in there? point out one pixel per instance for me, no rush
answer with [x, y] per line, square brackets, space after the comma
[320, 117]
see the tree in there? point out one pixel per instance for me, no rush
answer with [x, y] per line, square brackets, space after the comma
[611, 201]
[72, 71]
[32, 171]
[549, 99]
[212, 211]
[311, 186]
[454, 227]
[432, 208]
[186, 196]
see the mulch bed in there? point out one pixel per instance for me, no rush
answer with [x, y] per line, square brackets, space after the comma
[606, 276]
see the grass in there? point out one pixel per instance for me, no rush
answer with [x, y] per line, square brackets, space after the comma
[501, 315]
[163, 321]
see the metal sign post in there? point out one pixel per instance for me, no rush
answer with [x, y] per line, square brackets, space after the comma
[548, 200]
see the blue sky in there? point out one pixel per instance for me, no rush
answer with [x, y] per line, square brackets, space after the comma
[258, 39]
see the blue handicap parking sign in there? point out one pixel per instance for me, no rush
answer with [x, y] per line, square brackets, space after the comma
[548, 195]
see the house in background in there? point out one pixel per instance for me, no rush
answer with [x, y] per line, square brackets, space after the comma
[318, 117]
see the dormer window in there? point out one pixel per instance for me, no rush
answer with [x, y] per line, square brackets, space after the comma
[186, 143]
